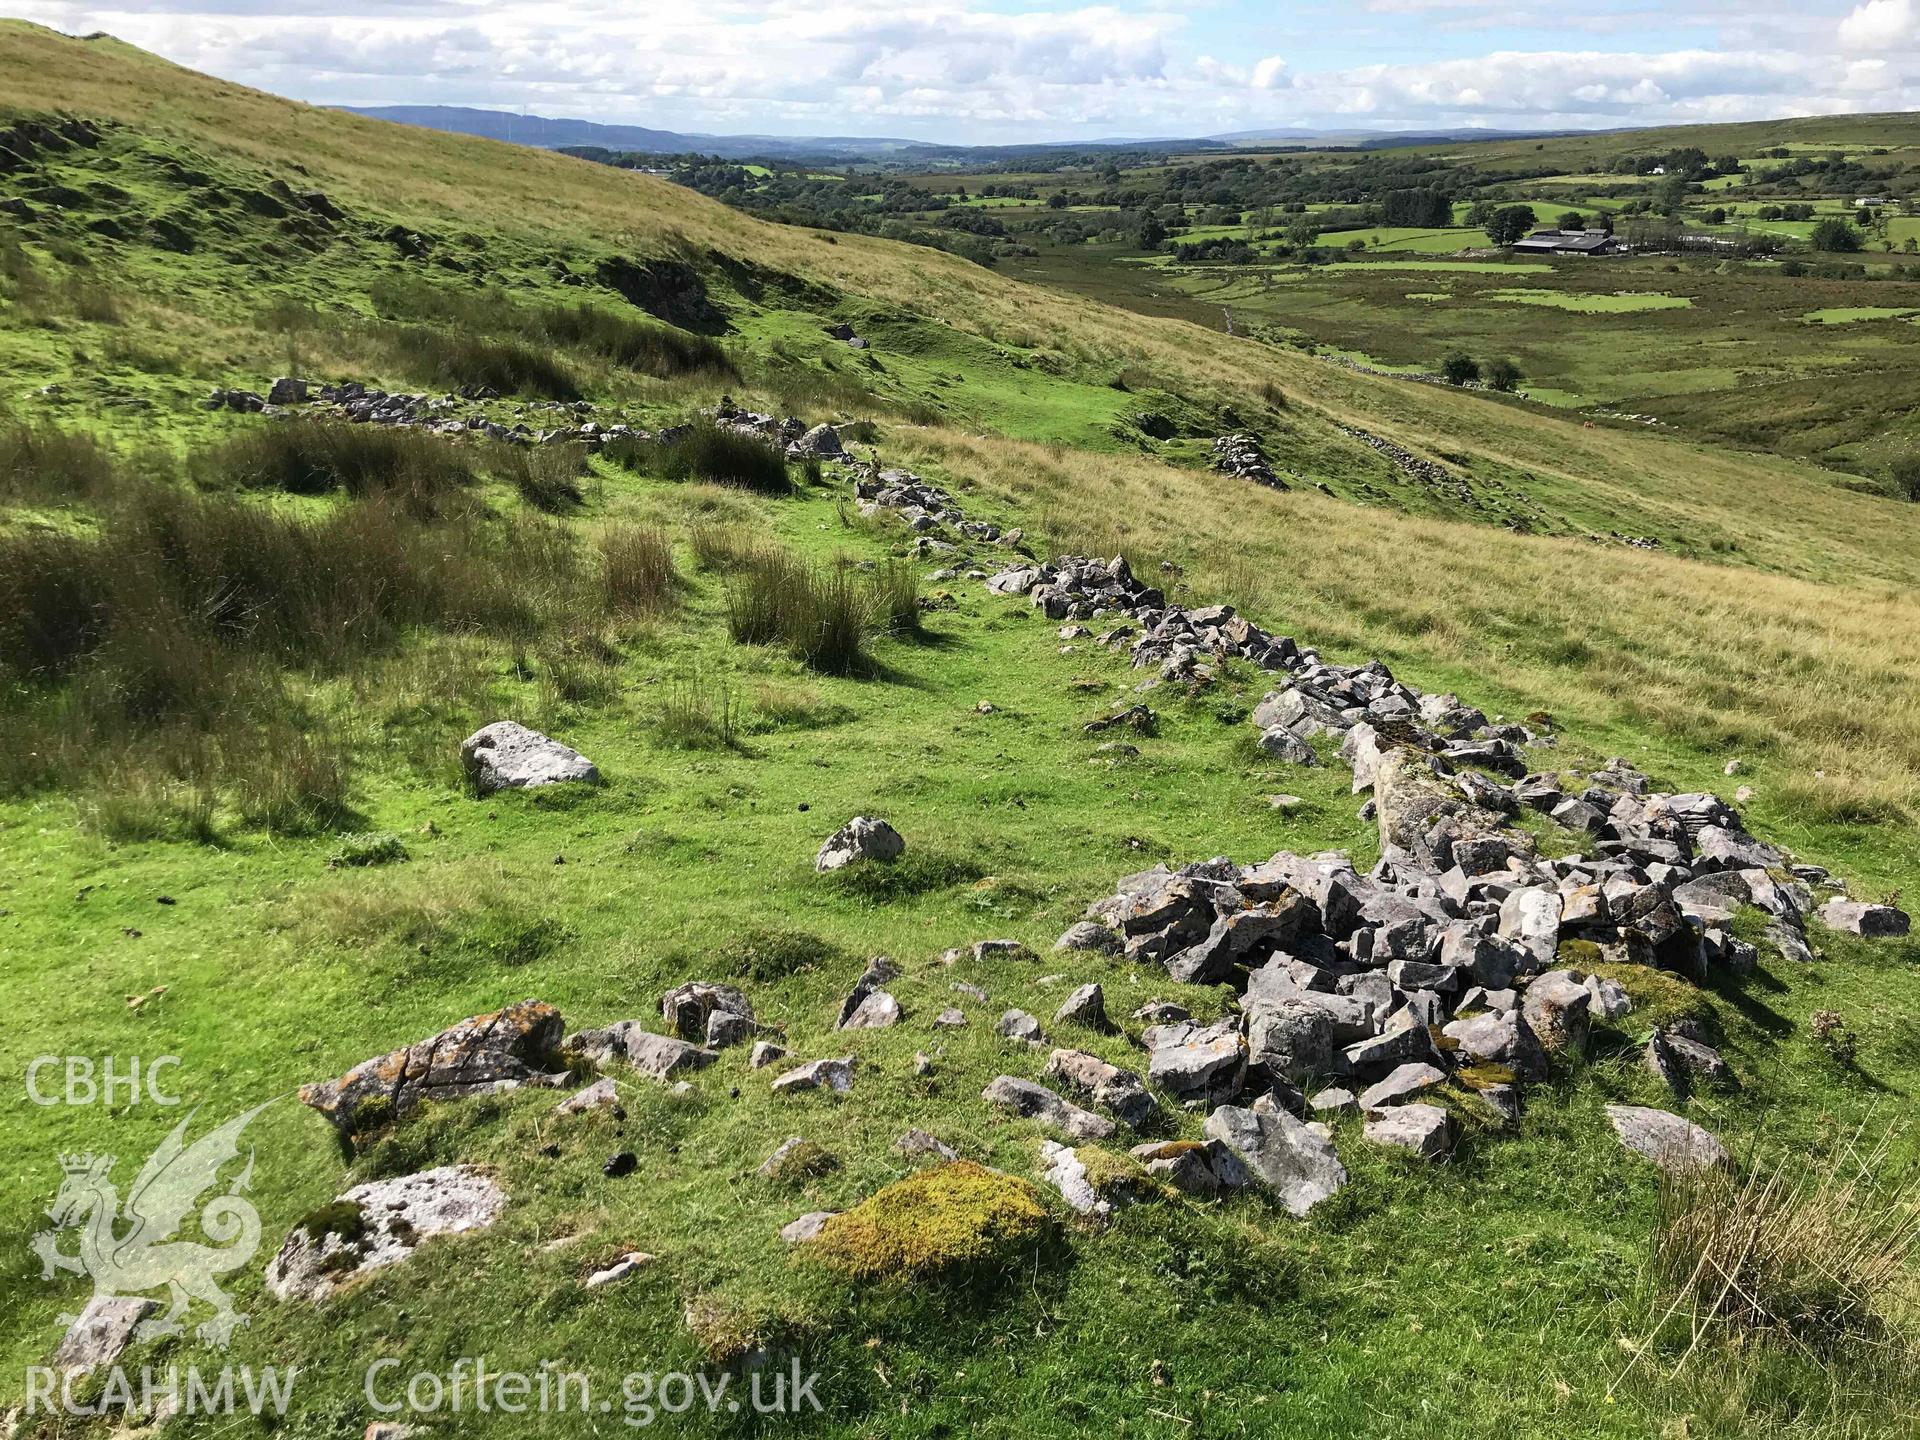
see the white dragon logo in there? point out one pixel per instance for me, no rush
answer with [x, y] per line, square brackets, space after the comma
[146, 1257]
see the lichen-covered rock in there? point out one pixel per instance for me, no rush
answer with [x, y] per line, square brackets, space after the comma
[1296, 1161]
[1676, 1145]
[1556, 1006]
[1197, 1062]
[861, 838]
[1036, 1102]
[661, 1057]
[507, 756]
[482, 1055]
[378, 1224]
[834, 1073]
[704, 1010]
[1857, 917]
[955, 1216]
[797, 1158]
[1062, 1168]
[1108, 1086]
[1426, 1130]
[101, 1333]
[1086, 1006]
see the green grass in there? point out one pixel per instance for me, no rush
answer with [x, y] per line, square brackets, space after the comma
[1620, 303]
[1851, 314]
[360, 628]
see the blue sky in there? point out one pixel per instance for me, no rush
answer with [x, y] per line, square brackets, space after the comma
[1004, 71]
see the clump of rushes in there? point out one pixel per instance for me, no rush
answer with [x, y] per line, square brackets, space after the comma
[637, 569]
[823, 615]
[706, 451]
[321, 457]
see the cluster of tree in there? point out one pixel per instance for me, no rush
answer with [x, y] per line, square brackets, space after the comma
[1222, 250]
[1424, 209]
[1460, 368]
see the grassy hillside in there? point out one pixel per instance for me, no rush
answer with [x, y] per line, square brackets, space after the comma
[240, 655]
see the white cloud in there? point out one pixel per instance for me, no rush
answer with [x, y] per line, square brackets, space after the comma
[1008, 70]
[1877, 24]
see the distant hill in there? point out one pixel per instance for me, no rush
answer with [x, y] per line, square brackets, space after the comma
[549, 133]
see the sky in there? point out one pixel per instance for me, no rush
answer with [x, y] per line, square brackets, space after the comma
[1013, 71]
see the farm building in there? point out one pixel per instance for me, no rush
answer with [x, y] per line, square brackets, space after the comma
[1567, 242]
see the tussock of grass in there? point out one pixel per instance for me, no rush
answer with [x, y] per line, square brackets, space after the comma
[707, 451]
[819, 614]
[321, 457]
[645, 347]
[699, 712]
[547, 477]
[717, 545]
[458, 360]
[764, 955]
[637, 570]
[1819, 1257]
[42, 463]
[823, 615]
[952, 1217]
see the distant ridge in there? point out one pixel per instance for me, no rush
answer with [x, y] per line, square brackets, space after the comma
[550, 133]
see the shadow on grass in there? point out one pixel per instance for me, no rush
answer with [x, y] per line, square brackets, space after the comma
[918, 872]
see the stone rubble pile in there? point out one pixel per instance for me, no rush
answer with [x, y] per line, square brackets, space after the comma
[1243, 457]
[927, 510]
[1179, 641]
[1415, 467]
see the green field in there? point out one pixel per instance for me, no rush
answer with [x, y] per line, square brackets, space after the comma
[1618, 303]
[239, 653]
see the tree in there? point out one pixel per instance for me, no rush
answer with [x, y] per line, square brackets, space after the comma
[1480, 212]
[1459, 368]
[1836, 235]
[1906, 477]
[1571, 220]
[1152, 234]
[1509, 223]
[1503, 374]
[1057, 200]
[1715, 216]
[1302, 232]
[1671, 193]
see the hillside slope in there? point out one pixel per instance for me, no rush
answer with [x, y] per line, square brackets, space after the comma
[1778, 515]
[240, 652]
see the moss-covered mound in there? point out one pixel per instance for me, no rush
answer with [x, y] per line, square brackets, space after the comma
[948, 1217]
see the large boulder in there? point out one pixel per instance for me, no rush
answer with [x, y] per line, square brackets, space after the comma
[1108, 1086]
[1036, 1102]
[662, 1057]
[1557, 1006]
[506, 756]
[1295, 1160]
[1426, 1130]
[1857, 917]
[379, 1224]
[861, 838]
[1676, 1145]
[822, 442]
[482, 1055]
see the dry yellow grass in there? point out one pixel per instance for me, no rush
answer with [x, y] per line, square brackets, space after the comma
[1818, 678]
